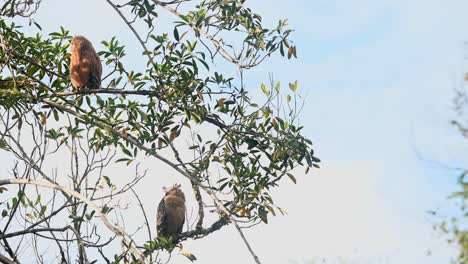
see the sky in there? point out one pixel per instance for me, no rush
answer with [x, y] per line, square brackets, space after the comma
[378, 80]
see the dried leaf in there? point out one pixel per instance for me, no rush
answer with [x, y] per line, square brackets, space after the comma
[43, 119]
[220, 102]
[190, 256]
[272, 211]
[173, 135]
[282, 211]
[274, 123]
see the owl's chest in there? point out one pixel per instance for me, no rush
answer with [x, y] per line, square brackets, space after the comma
[175, 211]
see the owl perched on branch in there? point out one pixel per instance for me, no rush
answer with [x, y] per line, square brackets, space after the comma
[85, 65]
[171, 212]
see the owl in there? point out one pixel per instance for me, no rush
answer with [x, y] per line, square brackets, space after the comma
[171, 212]
[85, 65]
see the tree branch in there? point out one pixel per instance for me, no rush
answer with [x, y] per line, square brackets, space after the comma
[108, 91]
[195, 188]
[5, 260]
[151, 152]
[8, 249]
[255, 257]
[38, 65]
[142, 43]
[33, 231]
[117, 231]
[199, 233]
[215, 42]
[132, 92]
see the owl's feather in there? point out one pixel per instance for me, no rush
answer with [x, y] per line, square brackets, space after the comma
[85, 65]
[171, 212]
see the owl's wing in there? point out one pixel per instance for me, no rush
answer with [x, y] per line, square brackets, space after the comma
[98, 67]
[94, 68]
[161, 222]
[179, 230]
[94, 80]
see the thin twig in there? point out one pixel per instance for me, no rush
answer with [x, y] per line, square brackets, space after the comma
[195, 188]
[199, 233]
[142, 43]
[116, 230]
[5, 260]
[144, 213]
[255, 257]
[215, 42]
[151, 152]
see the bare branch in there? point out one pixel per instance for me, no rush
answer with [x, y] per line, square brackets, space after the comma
[144, 213]
[151, 152]
[196, 191]
[255, 257]
[142, 43]
[5, 260]
[199, 233]
[116, 230]
[33, 231]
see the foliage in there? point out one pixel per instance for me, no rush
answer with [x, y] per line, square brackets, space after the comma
[24, 8]
[151, 113]
[456, 226]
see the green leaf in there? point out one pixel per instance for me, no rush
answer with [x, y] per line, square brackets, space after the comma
[43, 209]
[37, 25]
[263, 214]
[265, 90]
[107, 180]
[56, 116]
[293, 179]
[4, 146]
[127, 152]
[176, 34]
[106, 209]
[38, 200]
[277, 86]
[90, 215]
[293, 86]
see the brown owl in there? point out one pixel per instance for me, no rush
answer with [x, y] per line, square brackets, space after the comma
[85, 65]
[171, 212]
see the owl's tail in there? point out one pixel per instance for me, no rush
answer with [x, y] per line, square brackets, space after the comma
[94, 82]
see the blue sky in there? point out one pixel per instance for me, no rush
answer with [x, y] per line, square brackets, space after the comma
[378, 79]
